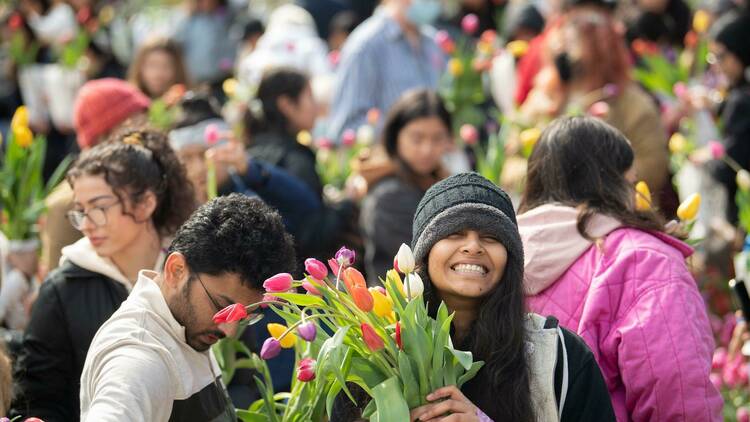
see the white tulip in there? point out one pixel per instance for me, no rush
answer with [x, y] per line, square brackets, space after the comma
[743, 180]
[414, 285]
[365, 135]
[405, 259]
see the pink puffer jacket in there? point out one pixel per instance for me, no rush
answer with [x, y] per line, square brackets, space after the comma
[636, 305]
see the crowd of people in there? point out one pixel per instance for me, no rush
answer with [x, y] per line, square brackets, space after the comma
[203, 135]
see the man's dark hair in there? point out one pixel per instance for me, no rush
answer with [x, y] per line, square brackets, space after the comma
[239, 235]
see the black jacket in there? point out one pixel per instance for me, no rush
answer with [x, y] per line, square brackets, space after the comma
[73, 303]
[285, 152]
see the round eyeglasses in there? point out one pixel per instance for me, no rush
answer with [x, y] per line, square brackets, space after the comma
[97, 216]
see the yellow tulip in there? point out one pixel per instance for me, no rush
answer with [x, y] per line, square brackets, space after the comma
[20, 118]
[395, 279]
[484, 47]
[455, 67]
[382, 306]
[276, 330]
[106, 15]
[688, 209]
[642, 196]
[304, 138]
[230, 87]
[517, 48]
[701, 21]
[23, 136]
[677, 143]
[529, 137]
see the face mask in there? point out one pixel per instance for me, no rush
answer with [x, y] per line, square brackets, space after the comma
[423, 12]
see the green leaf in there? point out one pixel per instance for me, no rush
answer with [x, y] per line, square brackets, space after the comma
[411, 389]
[475, 367]
[390, 402]
[249, 416]
[464, 358]
[301, 299]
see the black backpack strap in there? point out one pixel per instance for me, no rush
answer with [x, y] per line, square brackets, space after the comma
[561, 367]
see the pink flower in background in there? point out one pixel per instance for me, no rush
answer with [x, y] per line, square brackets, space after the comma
[743, 415]
[680, 90]
[719, 358]
[348, 138]
[716, 380]
[212, 134]
[310, 288]
[470, 24]
[469, 134]
[599, 109]
[717, 150]
[445, 42]
[324, 143]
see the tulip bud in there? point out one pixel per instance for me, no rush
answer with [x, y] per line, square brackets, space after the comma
[642, 196]
[310, 288]
[469, 134]
[405, 259]
[324, 143]
[307, 330]
[365, 135]
[304, 138]
[345, 257]
[488, 36]
[231, 313]
[306, 369]
[353, 279]
[23, 136]
[371, 338]
[381, 305]
[270, 349]
[719, 358]
[278, 283]
[393, 276]
[743, 180]
[688, 209]
[470, 24]
[414, 285]
[277, 330]
[701, 21]
[716, 380]
[717, 150]
[362, 298]
[348, 138]
[517, 48]
[398, 336]
[680, 90]
[316, 269]
[677, 143]
[20, 118]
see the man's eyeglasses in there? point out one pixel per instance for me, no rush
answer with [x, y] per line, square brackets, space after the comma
[211, 298]
[97, 216]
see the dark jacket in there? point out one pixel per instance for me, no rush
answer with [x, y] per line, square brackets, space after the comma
[386, 222]
[586, 397]
[73, 303]
[283, 151]
[735, 118]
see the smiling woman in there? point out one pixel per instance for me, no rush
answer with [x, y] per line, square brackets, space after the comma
[129, 196]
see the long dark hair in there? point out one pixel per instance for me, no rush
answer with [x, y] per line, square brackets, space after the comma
[275, 83]
[501, 388]
[135, 162]
[581, 162]
[135, 72]
[413, 105]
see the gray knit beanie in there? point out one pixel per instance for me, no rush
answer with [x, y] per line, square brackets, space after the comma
[465, 201]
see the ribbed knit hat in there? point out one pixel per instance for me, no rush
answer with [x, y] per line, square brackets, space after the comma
[733, 31]
[466, 201]
[103, 104]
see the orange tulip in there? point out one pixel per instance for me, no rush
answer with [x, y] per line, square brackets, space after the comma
[362, 298]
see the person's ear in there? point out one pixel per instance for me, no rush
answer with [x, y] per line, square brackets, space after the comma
[176, 270]
[145, 207]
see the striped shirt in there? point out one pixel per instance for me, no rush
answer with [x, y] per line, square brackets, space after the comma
[379, 64]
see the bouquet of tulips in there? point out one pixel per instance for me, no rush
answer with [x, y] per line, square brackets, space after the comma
[379, 338]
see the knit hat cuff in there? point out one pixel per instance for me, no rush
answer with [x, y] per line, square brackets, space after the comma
[480, 217]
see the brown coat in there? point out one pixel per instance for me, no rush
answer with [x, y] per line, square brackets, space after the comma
[57, 231]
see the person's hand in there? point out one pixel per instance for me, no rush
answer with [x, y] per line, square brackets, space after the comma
[450, 405]
[739, 336]
[229, 155]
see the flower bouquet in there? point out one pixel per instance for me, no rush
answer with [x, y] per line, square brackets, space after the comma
[334, 162]
[22, 189]
[380, 338]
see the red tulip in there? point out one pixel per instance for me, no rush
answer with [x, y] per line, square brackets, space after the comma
[398, 335]
[444, 41]
[371, 338]
[278, 283]
[231, 313]
[717, 150]
[306, 369]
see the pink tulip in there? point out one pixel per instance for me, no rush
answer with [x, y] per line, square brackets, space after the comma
[307, 331]
[278, 283]
[316, 269]
[469, 134]
[470, 23]
[345, 257]
[743, 415]
[719, 358]
[270, 349]
[717, 150]
[310, 287]
[231, 313]
[324, 143]
[680, 90]
[306, 370]
[212, 134]
[348, 138]
[334, 266]
[599, 109]
[382, 290]
[610, 90]
[716, 380]
[445, 42]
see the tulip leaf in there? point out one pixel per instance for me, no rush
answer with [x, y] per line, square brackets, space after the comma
[300, 299]
[464, 358]
[249, 416]
[411, 390]
[475, 367]
[333, 392]
[441, 340]
[449, 371]
[390, 402]
[369, 410]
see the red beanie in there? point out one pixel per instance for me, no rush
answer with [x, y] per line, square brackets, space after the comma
[102, 104]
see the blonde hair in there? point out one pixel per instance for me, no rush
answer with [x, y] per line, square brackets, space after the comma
[6, 381]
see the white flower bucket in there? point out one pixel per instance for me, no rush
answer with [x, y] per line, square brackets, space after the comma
[61, 86]
[31, 83]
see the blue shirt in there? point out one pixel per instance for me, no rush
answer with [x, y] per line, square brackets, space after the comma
[378, 65]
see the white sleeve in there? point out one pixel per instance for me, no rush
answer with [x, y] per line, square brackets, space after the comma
[129, 384]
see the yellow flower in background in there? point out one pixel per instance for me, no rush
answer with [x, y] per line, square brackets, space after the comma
[382, 306]
[517, 48]
[455, 67]
[484, 47]
[529, 137]
[677, 143]
[743, 180]
[276, 330]
[701, 21]
[230, 87]
[688, 209]
[642, 196]
[1, 139]
[23, 136]
[304, 138]
[20, 118]
[106, 14]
